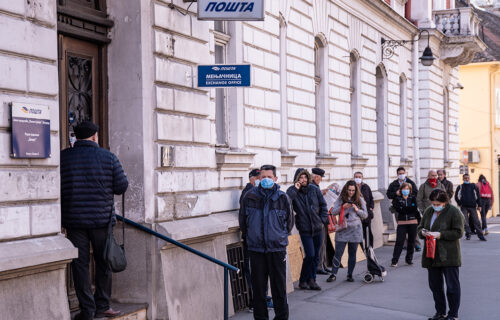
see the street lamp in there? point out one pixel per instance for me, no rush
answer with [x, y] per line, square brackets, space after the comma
[388, 47]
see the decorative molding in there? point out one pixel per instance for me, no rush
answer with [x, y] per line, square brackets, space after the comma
[358, 162]
[87, 24]
[355, 37]
[447, 164]
[231, 160]
[285, 6]
[321, 18]
[460, 50]
[324, 161]
[287, 160]
[406, 162]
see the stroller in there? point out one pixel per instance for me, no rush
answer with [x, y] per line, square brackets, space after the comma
[374, 268]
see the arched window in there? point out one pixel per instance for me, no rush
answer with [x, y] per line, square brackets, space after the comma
[322, 99]
[403, 117]
[381, 111]
[355, 89]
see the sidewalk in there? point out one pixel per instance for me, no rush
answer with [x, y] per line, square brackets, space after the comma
[405, 294]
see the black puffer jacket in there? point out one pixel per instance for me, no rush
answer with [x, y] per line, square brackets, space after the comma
[406, 209]
[90, 176]
[311, 212]
[467, 195]
[394, 187]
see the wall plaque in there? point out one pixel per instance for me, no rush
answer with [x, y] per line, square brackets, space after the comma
[30, 125]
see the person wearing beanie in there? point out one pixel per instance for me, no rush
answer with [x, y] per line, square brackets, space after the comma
[90, 177]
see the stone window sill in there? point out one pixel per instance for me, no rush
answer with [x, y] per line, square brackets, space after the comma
[230, 159]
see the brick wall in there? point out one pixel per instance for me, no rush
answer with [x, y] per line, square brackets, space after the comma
[29, 189]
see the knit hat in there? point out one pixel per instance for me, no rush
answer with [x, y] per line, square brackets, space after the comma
[85, 129]
[319, 172]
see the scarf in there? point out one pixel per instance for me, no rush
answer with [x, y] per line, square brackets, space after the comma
[433, 182]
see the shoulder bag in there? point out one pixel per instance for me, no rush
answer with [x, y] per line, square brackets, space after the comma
[114, 254]
[336, 225]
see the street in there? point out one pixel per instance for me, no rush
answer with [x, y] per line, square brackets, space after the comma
[404, 295]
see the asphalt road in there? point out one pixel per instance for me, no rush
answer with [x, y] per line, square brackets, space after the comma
[404, 295]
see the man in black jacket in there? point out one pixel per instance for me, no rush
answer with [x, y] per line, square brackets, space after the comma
[370, 205]
[393, 189]
[266, 219]
[447, 184]
[90, 177]
[468, 198]
[253, 181]
[311, 216]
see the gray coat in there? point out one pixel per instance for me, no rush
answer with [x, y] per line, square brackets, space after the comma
[423, 201]
[354, 230]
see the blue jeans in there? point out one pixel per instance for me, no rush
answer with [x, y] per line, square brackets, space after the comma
[339, 251]
[311, 245]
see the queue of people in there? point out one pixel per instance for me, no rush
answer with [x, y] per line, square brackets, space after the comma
[267, 216]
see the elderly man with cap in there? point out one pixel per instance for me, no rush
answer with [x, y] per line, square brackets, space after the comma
[326, 251]
[90, 177]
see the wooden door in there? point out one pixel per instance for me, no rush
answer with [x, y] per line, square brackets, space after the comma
[82, 91]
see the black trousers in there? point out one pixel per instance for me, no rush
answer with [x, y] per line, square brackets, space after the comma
[367, 226]
[352, 248]
[99, 301]
[312, 246]
[272, 266]
[402, 231]
[485, 207]
[470, 217]
[436, 284]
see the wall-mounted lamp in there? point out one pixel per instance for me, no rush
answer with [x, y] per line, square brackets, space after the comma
[457, 86]
[388, 47]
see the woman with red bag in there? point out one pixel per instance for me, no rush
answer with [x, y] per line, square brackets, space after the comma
[442, 226]
[354, 209]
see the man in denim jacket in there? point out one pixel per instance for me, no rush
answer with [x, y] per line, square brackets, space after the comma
[266, 219]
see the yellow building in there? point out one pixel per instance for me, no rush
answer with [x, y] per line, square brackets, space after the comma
[479, 116]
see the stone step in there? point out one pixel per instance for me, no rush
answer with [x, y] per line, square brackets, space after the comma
[389, 236]
[129, 311]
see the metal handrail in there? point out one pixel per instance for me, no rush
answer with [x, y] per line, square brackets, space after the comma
[194, 251]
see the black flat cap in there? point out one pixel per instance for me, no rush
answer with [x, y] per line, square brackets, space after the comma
[85, 129]
[254, 173]
[318, 171]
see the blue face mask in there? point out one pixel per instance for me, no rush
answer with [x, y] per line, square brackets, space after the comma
[437, 208]
[267, 183]
[257, 182]
[405, 192]
[466, 182]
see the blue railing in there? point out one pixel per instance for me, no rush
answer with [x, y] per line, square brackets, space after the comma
[226, 266]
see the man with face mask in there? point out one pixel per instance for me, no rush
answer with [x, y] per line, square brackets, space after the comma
[253, 181]
[367, 194]
[393, 189]
[311, 216]
[468, 199]
[432, 183]
[266, 219]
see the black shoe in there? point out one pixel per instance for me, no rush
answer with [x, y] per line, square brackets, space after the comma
[349, 278]
[438, 317]
[303, 285]
[451, 318]
[322, 271]
[482, 239]
[329, 270]
[409, 262]
[418, 248]
[313, 285]
[467, 237]
[331, 278]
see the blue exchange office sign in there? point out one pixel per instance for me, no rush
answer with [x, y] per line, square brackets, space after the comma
[243, 10]
[224, 75]
[30, 131]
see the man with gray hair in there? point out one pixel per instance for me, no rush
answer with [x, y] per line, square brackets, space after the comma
[432, 183]
[447, 184]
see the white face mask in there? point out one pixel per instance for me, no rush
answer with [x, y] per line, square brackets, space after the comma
[358, 180]
[402, 177]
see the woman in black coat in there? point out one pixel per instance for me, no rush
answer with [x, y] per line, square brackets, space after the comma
[405, 205]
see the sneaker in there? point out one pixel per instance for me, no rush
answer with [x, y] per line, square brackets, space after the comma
[438, 317]
[451, 318]
[303, 285]
[394, 265]
[313, 285]
[250, 309]
[331, 278]
[349, 278]
[418, 248]
[482, 239]
[485, 232]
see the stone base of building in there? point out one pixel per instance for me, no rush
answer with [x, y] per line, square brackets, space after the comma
[33, 278]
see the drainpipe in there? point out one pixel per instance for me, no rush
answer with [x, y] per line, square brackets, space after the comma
[415, 99]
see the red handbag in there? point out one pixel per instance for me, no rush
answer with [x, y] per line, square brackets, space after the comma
[336, 225]
[430, 243]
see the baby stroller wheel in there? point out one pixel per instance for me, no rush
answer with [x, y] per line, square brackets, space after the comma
[368, 278]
